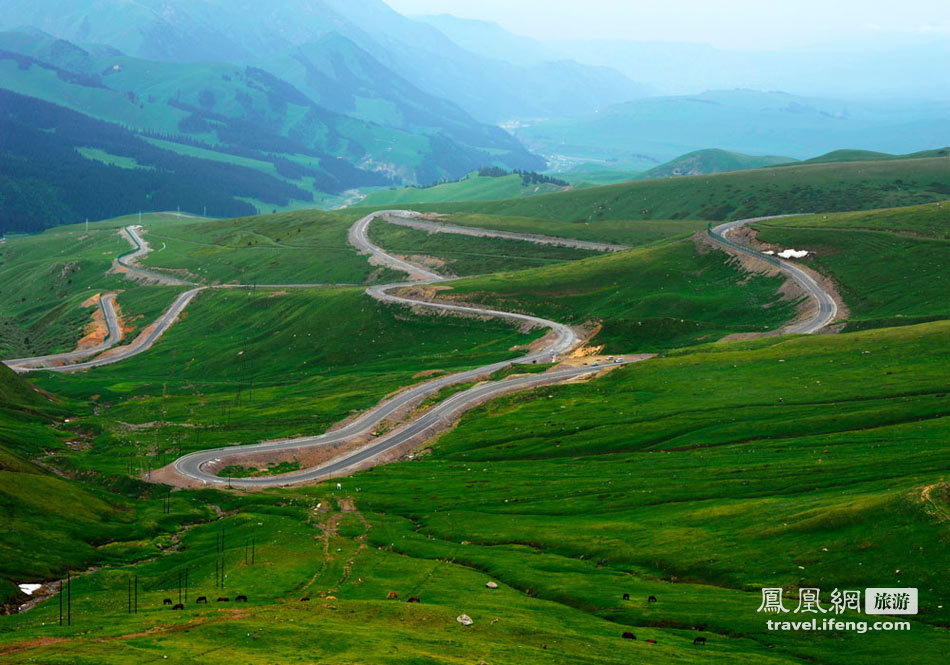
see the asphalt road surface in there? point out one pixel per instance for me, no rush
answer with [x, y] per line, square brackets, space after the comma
[194, 465]
[439, 227]
[559, 341]
[52, 362]
[827, 308]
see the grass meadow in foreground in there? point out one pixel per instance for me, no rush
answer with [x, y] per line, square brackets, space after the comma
[822, 469]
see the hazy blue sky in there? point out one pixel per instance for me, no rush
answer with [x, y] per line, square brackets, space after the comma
[724, 23]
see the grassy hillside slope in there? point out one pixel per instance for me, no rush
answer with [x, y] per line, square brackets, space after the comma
[834, 187]
[47, 277]
[651, 298]
[51, 523]
[871, 156]
[890, 265]
[620, 232]
[700, 478]
[303, 247]
[465, 255]
[713, 160]
[660, 479]
[243, 367]
[472, 188]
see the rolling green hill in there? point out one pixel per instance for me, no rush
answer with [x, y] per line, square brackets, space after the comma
[465, 255]
[647, 299]
[807, 188]
[54, 522]
[49, 276]
[701, 162]
[890, 265]
[302, 247]
[473, 187]
[870, 156]
[663, 479]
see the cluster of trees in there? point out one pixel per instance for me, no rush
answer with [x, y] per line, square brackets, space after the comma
[527, 177]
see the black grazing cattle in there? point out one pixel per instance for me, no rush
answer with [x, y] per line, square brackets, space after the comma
[629, 636]
[651, 599]
[179, 606]
[202, 599]
[414, 599]
[305, 599]
[240, 599]
[167, 601]
[224, 599]
[699, 640]
[626, 596]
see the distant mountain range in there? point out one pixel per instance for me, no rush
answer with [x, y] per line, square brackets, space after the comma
[320, 99]
[641, 134]
[488, 87]
[326, 96]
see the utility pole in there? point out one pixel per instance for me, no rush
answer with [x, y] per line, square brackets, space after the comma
[61, 592]
[69, 599]
[136, 606]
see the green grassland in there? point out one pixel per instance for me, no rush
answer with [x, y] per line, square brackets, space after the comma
[51, 523]
[242, 366]
[471, 188]
[890, 265]
[648, 299]
[871, 156]
[47, 277]
[833, 187]
[620, 232]
[713, 161]
[305, 247]
[699, 476]
[464, 255]
[568, 497]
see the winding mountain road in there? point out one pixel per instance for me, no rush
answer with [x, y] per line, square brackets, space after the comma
[199, 466]
[827, 308]
[57, 360]
[475, 232]
[196, 466]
